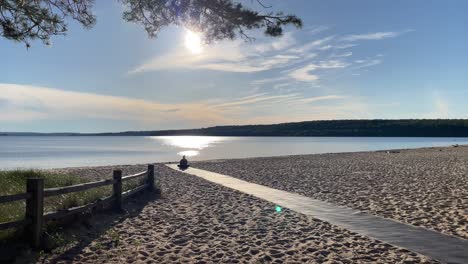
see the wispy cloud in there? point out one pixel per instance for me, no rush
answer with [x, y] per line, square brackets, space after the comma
[367, 63]
[321, 98]
[33, 102]
[20, 103]
[263, 55]
[269, 80]
[305, 73]
[374, 35]
[344, 46]
[228, 56]
[315, 29]
[315, 44]
[287, 40]
[256, 99]
[342, 55]
[291, 61]
[239, 56]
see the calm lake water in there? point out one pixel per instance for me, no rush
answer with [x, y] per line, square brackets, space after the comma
[58, 152]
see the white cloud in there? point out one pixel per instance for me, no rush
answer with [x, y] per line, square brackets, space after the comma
[263, 55]
[344, 46]
[367, 63]
[33, 102]
[285, 86]
[269, 80]
[316, 29]
[321, 98]
[326, 47]
[342, 55]
[20, 103]
[283, 55]
[333, 64]
[285, 41]
[315, 44]
[305, 73]
[256, 99]
[229, 56]
[374, 36]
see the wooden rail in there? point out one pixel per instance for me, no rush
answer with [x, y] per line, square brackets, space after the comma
[129, 177]
[76, 188]
[14, 224]
[35, 194]
[76, 210]
[14, 197]
[134, 191]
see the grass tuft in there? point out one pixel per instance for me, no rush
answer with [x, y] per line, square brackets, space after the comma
[13, 182]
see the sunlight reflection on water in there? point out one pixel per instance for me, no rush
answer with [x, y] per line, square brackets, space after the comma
[60, 152]
[190, 144]
[189, 153]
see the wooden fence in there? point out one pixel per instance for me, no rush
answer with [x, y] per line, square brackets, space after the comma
[35, 193]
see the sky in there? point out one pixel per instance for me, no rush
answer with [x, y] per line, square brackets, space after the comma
[362, 59]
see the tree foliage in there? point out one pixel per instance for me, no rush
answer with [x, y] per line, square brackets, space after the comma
[26, 20]
[332, 128]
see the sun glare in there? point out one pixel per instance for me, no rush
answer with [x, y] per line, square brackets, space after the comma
[193, 42]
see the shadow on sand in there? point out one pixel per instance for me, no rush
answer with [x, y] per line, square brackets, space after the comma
[66, 242]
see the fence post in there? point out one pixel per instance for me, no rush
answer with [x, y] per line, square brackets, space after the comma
[117, 189]
[151, 177]
[35, 210]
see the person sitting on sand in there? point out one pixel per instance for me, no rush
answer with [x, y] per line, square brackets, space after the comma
[183, 164]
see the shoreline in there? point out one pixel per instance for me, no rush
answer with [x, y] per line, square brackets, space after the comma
[48, 162]
[246, 158]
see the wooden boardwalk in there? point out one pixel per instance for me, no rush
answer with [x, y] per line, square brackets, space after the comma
[442, 247]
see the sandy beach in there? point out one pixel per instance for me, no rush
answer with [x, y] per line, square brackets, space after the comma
[425, 187]
[196, 221]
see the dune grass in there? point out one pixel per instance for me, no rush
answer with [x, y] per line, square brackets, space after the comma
[13, 182]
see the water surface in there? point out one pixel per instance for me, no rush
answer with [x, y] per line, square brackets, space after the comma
[63, 151]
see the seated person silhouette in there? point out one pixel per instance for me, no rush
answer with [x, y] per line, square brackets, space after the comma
[183, 165]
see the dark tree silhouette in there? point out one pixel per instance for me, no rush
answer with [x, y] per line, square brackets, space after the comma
[26, 20]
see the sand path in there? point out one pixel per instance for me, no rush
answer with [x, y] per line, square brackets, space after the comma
[445, 248]
[423, 187]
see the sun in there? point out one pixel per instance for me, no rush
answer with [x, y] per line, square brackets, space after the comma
[193, 42]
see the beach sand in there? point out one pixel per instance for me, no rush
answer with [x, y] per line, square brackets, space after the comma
[425, 187]
[196, 221]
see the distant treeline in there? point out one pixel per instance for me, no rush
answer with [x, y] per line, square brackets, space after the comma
[335, 128]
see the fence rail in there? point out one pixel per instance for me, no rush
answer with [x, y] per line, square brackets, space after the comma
[35, 194]
[134, 191]
[76, 210]
[14, 197]
[129, 177]
[14, 224]
[76, 188]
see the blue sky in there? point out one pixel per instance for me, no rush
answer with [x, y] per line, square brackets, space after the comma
[351, 60]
